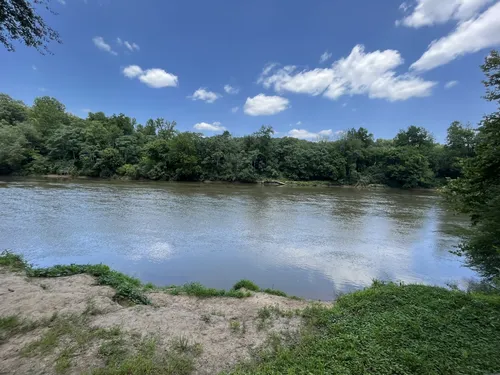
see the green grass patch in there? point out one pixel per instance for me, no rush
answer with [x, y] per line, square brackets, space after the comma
[13, 262]
[247, 284]
[149, 360]
[128, 289]
[12, 325]
[391, 329]
[275, 292]
[198, 290]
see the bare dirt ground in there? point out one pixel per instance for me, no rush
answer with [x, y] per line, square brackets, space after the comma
[227, 329]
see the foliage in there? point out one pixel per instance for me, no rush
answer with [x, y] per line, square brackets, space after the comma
[477, 193]
[390, 329]
[44, 138]
[247, 284]
[127, 288]
[20, 21]
[275, 292]
[198, 290]
[13, 262]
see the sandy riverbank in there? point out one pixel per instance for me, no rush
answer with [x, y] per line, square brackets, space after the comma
[214, 333]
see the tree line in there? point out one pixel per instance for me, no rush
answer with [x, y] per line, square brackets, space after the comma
[45, 139]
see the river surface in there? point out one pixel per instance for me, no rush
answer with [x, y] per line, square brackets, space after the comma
[311, 242]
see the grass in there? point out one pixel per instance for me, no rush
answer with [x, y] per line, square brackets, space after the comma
[12, 262]
[129, 290]
[390, 329]
[147, 359]
[198, 290]
[247, 284]
[12, 325]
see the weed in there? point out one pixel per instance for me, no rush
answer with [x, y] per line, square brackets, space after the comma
[234, 325]
[275, 292]
[113, 350]
[198, 290]
[389, 329]
[183, 345]
[247, 284]
[128, 289]
[13, 262]
[12, 325]
[63, 362]
[147, 360]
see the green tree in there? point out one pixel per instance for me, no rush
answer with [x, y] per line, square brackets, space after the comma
[19, 20]
[415, 136]
[477, 193]
[12, 111]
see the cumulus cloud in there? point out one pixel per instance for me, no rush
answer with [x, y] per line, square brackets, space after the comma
[214, 127]
[433, 12]
[102, 45]
[468, 37]
[155, 78]
[359, 73]
[235, 109]
[305, 134]
[231, 90]
[263, 105]
[203, 94]
[325, 56]
[450, 84]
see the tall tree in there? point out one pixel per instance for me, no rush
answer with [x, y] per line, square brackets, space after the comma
[19, 20]
[477, 193]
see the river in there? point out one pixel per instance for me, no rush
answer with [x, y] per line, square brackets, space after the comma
[307, 241]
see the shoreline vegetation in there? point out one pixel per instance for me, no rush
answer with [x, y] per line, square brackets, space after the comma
[63, 319]
[45, 139]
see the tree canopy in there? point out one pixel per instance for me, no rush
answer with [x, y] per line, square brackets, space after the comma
[20, 21]
[44, 138]
[477, 192]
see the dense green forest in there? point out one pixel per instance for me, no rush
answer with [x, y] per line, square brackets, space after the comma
[45, 139]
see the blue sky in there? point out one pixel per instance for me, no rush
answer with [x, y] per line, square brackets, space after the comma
[173, 59]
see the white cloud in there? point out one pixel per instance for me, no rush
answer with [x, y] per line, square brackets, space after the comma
[299, 123]
[359, 73]
[235, 109]
[158, 78]
[262, 105]
[132, 71]
[231, 90]
[34, 67]
[42, 89]
[325, 56]
[305, 134]
[102, 45]
[404, 6]
[433, 12]
[86, 110]
[206, 96]
[63, 2]
[136, 46]
[119, 41]
[450, 84]
[214, 127]
[469, 37]
[155, 78]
